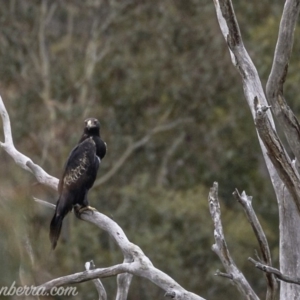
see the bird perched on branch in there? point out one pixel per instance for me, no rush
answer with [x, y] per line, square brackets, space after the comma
[79, 175]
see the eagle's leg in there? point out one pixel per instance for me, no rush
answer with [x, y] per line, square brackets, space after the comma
[79, 209]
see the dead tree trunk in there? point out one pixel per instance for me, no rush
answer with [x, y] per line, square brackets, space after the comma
[282, 169]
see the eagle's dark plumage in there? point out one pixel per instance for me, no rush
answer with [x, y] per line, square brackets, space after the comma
[79, 175]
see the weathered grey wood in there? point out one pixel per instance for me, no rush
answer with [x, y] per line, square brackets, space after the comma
[138, 263]
[250, 79]
[274, 87]
[124, 281]
[277, 153]
[20, 159]
[221, 249]
[288, 212]
[97, 282]
[289, 221]
[246, 202]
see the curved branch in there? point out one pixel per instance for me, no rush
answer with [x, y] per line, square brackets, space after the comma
[139, 265]
[20, 159]
[83, 276]
[134, 268]
[135, 261]
[221, 249]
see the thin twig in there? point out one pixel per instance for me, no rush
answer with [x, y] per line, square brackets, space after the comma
[275, 272]
[226, 275]
[45, 203]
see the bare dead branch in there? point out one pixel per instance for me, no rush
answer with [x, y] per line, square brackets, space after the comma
[246, 202]
[239, 56]
[241, 60]
[289, 220]
[97, 282]
[275, 272]
[221, 249]
[140, 265]
[133, 267]
[20, 159]
[83, 276]
[274, 88]
[277, 153]
[137, 263]
[123, 281]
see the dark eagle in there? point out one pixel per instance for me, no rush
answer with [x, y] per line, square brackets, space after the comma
[79, 175]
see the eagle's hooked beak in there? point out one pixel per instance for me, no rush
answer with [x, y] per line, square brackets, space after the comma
[90, 124]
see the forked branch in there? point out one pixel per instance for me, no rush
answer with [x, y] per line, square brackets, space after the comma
[221, 249]
[135, 261]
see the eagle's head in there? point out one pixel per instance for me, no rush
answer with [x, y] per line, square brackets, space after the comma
[91, 123]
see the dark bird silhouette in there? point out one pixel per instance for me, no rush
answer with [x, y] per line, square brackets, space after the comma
[79, 175]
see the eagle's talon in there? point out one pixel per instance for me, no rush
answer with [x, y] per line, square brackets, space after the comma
[78, 209]
[90, 208]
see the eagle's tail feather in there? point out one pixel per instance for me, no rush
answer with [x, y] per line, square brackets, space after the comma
[55, 229]
[63, 206]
